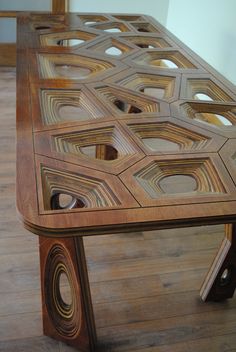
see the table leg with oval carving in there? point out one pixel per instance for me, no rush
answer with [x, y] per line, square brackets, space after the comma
[220, 282]
[67, 319]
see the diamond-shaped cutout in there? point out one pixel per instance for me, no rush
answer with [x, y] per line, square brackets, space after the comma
[125, 102]
[204, 89]
[156, 86]
[70, 66]
[66, 39]
[60, 106]
[167, 137]
[169, 59]
[105, 147]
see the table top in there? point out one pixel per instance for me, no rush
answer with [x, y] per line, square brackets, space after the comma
[120, 127]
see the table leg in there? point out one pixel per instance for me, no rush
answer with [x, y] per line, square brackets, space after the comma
[69, 321]
[220, 282]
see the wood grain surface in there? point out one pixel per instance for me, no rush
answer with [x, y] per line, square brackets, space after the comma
[87, 78]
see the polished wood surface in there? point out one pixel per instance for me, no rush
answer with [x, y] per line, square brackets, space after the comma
[80, 97]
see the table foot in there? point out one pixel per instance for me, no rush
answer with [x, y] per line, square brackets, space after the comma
[220, 282]
[69, 319]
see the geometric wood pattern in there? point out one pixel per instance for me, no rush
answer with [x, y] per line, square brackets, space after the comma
[120, 127]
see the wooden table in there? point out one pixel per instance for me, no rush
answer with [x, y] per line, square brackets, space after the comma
[120, 128]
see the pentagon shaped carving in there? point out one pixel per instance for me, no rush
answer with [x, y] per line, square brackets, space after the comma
[218, 117]
[84, 191]
[146, 42]
[164, 59]
[111, 47]
[179, 180]
[170, 136]
[122, 101]
[204, 88]
[71, 39]
[71, 67]
[158, 86]
[61, 106]
[104, 147]
[112, 27]
[65, 188]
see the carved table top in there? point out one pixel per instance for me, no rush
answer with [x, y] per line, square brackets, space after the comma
[119, 127]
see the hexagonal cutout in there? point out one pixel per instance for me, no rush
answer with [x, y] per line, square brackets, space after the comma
[204, 89]
[147, 42]
[171, 59]
[125, 102]
[70, 66]
[219, 116]
[106, 148]
[156, 86]
[59, 106]
[168, 137]
[70, 39]
[111, 47]
[68, 187]
[189, 177]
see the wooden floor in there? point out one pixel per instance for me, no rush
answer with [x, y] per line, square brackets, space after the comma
[144, 285]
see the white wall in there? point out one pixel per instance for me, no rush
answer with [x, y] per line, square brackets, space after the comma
[208, 27]
[21, 5]
[155, 8]
[8, 26]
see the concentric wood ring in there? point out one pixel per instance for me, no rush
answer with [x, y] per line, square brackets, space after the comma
[65, 317]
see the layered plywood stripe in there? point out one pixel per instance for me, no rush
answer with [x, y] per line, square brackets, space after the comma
[119, 110]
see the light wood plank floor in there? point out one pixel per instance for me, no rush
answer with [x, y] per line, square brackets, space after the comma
[144, 285]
